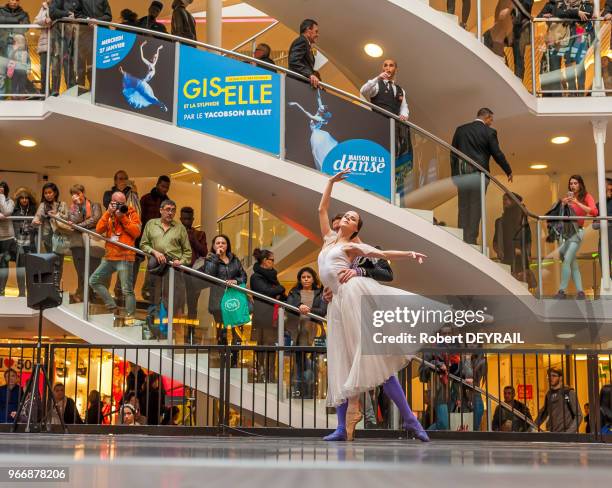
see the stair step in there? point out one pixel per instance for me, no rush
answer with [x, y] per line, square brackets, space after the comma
[458, 233]
[452, 17]
[424, 214]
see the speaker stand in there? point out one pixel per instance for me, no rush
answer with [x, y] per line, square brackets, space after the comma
[32, 388]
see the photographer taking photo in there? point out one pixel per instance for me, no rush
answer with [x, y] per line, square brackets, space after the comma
[119, 223]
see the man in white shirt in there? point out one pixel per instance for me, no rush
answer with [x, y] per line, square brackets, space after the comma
[385, 93]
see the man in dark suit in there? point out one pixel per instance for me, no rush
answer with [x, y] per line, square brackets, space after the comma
[478, 141]
[301, 57]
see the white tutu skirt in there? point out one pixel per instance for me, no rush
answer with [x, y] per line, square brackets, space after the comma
[349, 373]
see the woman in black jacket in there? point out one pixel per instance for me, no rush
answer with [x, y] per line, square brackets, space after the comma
[264, 329]
[307, 295]
[221, 263]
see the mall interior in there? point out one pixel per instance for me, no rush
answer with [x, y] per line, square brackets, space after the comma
[200, 120]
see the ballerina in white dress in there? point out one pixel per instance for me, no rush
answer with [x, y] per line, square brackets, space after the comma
[349, 372]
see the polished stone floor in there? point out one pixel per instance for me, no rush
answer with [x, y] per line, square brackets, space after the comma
[134, 461]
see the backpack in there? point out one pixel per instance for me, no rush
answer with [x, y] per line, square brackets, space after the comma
[559, 230]
[566, 398]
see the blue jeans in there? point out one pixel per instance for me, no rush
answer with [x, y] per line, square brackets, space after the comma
[442, 418]
[101, 277]
[478, 407]
[569, 249]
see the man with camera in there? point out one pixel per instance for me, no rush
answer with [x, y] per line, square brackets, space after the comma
[119, 223]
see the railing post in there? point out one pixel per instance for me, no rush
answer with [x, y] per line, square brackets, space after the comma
[593, 392]
[47, 66]
[177, 60]
[539, 245]
[93, 64]
[393, 197]
[533, 59]
[283, 119]
[597, 90]
[39, 240]
[483, 212]
[171, 278]
[250, 241]
[281, 353]
[478, 20]
[86, 239]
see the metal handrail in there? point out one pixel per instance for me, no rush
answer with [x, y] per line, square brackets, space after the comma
[227, 214]
[255, 36]
[331, 88]
[187, 269]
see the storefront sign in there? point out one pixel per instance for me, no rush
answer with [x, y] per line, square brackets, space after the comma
[525, 392]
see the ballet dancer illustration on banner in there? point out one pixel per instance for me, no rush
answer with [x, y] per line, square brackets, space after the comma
[349, 371]
[321, 141]
[138, 93]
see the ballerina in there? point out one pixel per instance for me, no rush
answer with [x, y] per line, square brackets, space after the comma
[321, 141]
[137, 92]
[349, 372]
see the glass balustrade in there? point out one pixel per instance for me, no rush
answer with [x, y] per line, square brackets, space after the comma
[22, 61]
[415, 171]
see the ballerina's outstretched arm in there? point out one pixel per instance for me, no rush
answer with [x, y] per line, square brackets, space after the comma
[354, 250]
[326, 198]
[148, 63]
[308, 114]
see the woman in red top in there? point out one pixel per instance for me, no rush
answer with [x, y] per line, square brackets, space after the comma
[582, 204]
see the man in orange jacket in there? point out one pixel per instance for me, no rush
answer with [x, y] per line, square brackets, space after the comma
[119, 223]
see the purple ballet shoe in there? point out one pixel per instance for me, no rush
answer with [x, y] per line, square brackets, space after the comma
[337, 435]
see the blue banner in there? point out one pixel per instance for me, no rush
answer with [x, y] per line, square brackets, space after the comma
[369, 162]
[112, 47]
[229, 99]
[135, 73]
[330, 134]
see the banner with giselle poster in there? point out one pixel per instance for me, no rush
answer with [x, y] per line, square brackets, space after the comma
[330, 134]
[135, 73]
[229, 99]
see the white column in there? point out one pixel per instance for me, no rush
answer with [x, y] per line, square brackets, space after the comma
[209, 188]
[554, 187]
[599, 133]
[214, 22]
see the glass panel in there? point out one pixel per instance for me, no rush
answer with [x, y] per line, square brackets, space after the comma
[424, 186]
[268, 230]
[236, 227]
[570, 264]
[71, 63]
[20, 63]
[564, 57]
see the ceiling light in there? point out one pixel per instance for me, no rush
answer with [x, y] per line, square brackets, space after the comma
[27, 143]
[373, 50]
[539, 166]
[191, 167]
[566, 336]
[560, 140]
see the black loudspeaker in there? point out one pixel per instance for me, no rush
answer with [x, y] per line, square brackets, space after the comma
[43, 281]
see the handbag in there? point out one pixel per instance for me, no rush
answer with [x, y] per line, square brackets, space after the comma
[97, 247]
[461, 421]
[234, 308]
[60, 243]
